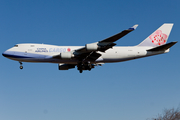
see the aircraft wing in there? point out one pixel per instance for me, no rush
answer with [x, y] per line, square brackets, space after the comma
[87, 56]
[119, 35]
[107, 43]
[90, 50]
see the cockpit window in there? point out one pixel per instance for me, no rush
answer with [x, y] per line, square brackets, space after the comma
[16, 46]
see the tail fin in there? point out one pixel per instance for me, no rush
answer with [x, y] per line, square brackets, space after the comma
[159, 37]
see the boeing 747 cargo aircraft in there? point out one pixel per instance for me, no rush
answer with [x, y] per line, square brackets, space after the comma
[92, 54]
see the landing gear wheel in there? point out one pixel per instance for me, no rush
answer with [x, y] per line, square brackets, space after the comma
[80, 71]
[21, 67]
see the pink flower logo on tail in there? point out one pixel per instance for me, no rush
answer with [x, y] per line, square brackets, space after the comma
[158, 38]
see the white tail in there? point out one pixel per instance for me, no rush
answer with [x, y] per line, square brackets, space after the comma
[159, 37]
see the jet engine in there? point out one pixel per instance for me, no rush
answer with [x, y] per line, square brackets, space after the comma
[92, 47]
[66, 55]
[66, 66]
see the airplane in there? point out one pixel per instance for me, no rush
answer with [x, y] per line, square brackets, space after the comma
[93, 54]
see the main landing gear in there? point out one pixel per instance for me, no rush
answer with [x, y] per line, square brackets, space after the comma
[84, 66]
[21, 67]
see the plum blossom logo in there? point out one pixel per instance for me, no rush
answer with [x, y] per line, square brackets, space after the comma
[158, 38]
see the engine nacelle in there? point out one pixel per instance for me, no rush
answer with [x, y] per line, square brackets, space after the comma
[66, 66]
[92, 47]
[66, 55]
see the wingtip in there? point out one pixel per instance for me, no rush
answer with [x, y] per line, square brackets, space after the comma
[133, 27]
[175, 42]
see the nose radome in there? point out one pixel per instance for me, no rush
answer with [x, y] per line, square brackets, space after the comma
[7, 53]
[4, 54]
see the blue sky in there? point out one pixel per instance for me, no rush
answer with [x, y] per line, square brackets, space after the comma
[137, 89]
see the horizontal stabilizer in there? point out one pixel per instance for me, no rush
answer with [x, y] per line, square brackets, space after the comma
[163, 47]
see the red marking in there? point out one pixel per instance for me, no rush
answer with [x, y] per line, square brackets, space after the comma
[68, 49]
[158, 38]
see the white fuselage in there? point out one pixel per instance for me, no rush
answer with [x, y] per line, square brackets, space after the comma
[44, 53]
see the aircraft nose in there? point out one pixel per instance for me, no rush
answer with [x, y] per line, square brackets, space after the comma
[6, 54]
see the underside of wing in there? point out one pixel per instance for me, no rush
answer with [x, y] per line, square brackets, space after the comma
[88, 56]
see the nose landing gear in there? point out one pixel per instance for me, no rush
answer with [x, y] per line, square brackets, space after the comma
[21, 67]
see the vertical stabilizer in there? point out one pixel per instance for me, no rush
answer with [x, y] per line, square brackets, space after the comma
[159, 37]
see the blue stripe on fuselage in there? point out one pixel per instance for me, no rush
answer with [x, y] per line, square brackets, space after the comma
[15, 54]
